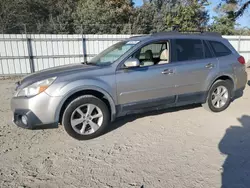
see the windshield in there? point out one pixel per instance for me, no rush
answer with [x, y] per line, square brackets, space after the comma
[111, 54]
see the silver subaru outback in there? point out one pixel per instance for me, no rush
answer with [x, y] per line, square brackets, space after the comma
[139, 74]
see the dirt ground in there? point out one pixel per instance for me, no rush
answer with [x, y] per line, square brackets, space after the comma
[176, 148]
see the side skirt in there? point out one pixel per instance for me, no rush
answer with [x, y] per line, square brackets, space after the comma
[160, 104]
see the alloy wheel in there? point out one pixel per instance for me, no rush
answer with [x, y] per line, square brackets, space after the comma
[220, 96]
[86, 119]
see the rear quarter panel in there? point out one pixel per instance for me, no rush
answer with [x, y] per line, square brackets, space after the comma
[229, 65]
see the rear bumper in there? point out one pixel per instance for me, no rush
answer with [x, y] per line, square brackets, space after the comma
[238, 93]
[241, 81]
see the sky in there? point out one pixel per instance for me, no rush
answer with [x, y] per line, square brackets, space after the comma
[244, 21]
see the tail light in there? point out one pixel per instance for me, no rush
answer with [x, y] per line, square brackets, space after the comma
[241, 60]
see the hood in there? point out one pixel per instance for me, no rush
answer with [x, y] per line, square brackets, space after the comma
[56, 72]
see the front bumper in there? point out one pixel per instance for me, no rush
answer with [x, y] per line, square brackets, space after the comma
[39, 110]
[32, 120]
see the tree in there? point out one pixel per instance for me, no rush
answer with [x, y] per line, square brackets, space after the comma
[151, 17]
[228, 12]
[35, 16]
[60, 19]
[235, 9]
[143, 19]
[163, 15]
[223, 25]
[103, 16]
[15, 14]
[188, 16]
[115, 16]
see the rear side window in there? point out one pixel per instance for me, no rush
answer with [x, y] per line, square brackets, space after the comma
[220, 49]
[188, 49]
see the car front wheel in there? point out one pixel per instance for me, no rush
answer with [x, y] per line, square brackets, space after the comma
[86, 117]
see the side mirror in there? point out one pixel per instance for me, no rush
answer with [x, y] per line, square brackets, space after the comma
[132, 62]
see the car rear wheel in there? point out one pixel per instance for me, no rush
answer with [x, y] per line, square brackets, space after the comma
[219, 96]
[86, 117]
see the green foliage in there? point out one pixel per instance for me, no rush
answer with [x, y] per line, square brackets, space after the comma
[142, 21]
[228, 12]
[223, 25]
[60, 18]
[163, 15]
[35, 16]
[15, 14]
[115, 16]
[188, 17]
[102, 16]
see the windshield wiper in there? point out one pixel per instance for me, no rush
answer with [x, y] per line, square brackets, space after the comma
[88, 63]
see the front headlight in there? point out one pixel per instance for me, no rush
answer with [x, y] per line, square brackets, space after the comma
[36, 88]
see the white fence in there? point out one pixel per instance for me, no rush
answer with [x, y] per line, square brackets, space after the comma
[23, 54]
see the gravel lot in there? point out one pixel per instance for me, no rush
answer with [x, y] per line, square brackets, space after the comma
[180, 147]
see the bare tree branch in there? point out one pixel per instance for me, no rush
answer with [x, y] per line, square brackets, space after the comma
[241, 10]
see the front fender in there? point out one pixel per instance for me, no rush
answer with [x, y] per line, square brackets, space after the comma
[68, 89]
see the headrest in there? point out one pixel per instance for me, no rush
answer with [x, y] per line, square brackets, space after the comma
[149, 55]
[164, 55]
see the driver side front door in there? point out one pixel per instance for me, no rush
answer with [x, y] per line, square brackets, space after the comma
[146, 86]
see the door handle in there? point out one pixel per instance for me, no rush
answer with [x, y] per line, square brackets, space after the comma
[210, 66]
[168, 71]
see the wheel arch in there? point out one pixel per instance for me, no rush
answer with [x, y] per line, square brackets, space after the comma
[97, 92]
[221, 77]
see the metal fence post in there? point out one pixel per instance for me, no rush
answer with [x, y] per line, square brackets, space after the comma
[84, 46]
[30, 53]
[239, 43]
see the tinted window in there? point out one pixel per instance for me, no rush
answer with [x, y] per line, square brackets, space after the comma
[189, 49]
[219, 49]
[208, 53]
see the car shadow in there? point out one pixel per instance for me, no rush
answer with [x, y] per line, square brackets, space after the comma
[236, 145]
[130, 118]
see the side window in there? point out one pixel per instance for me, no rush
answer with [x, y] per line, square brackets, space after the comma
[153, 54]
[220, 49]
[188, 49]
[155, 48]
[208, 53]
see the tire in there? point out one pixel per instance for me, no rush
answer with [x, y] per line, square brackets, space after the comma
[77, 111]
[209, 102]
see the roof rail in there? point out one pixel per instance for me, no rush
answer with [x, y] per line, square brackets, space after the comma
[188, 32]
[212, 34]
[135, 36]
[164, 33]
